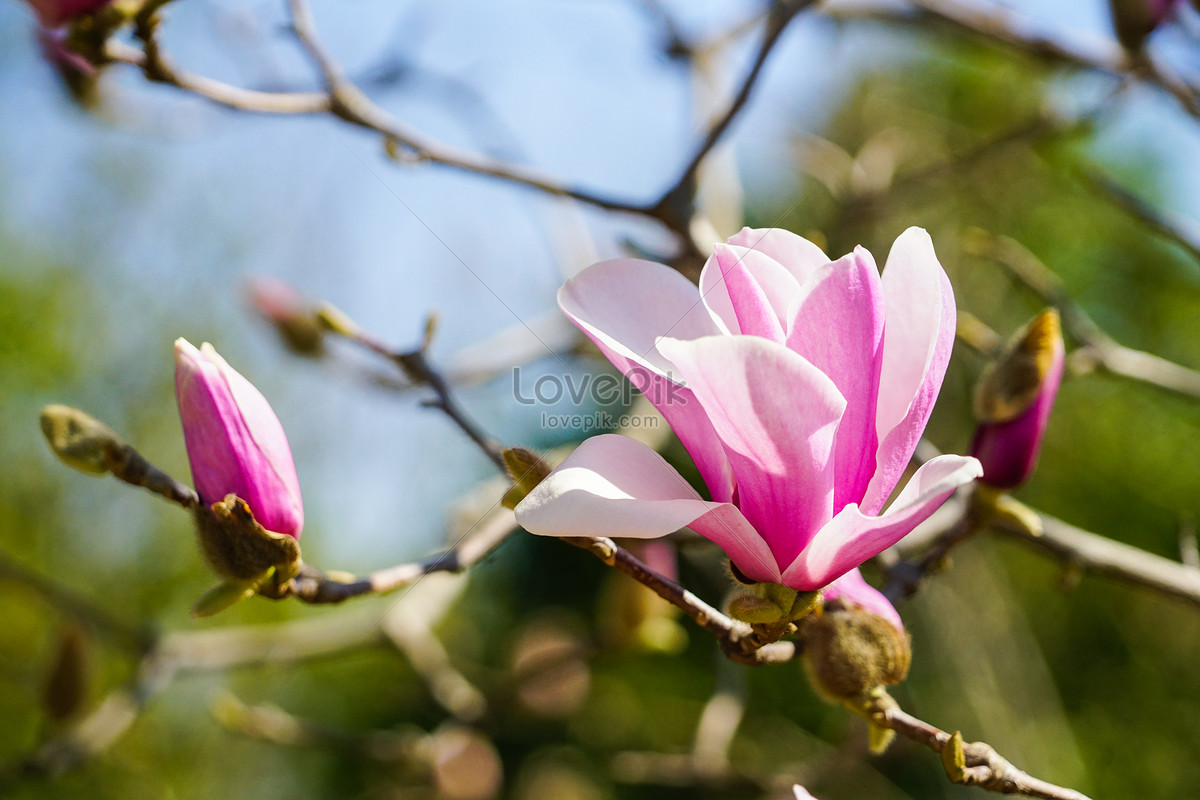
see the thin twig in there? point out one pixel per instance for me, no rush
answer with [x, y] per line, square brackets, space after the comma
[417, 369]
[676, 207]
[158, 68]
[80, 608]
[995, 23]
[313, 586]
[350, 104]
[1098, 350]
[1090, 552]
[978, 763]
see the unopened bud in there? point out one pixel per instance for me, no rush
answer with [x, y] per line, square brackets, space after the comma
[295, 320]
[770, 603]
[80, 440]
[1134, 20]
[1013, 402]
[52, 13]
[334, 319]
[241, 550]
[849, 652]
[526, 469]
[235, 443]
[66, 686]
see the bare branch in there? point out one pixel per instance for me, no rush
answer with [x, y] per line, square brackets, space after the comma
[995, 23]
[676, 208]
[1091, 552]
[973, 763]
[1098, 350]
[137, 638]
[158, 68]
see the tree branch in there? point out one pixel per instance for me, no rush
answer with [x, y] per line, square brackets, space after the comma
[973, 763]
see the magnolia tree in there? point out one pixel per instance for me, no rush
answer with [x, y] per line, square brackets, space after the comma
[791, 507]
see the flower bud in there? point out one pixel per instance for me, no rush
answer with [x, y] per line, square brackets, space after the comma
[235, 443]
[1013, 402]
[294, 319]
[1134, 20]
[80, 440]
[802, 793]
[526, 469]
[52, 13]
[849, 652]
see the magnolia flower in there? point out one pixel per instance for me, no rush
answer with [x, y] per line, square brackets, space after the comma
[802, 793]
[235, 443]
[799, 385]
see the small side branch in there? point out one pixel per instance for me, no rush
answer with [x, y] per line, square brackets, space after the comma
[1097, 349]
[970, 763]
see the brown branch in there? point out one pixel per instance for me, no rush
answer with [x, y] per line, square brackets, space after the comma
[905, 577]
[417, 369]
[972, 763]
[135, 637]
[1175, 229]
[350, 104]
[158, 68]
[737, 640]
[1097, 350]
[313, 586]
[996, 24]
[676, 207]
[1090, 552]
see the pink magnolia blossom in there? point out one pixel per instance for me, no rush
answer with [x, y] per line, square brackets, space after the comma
[235, 443]
[802, 793]
[799, 385]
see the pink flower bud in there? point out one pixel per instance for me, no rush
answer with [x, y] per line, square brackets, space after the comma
[52, 13]
[235, 442]
[1014, 399]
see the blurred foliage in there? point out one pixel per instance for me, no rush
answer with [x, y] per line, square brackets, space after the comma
[1091, 684]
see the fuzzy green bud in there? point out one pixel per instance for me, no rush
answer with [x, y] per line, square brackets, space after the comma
[526, 469]
[849, 652]
[79, 440]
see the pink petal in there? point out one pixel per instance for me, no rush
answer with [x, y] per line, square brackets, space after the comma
[747, 292]
[918, 338]
[623, 306]
[777, 416]
[852, 537]
[616, 486]
[838, 327]
[853, 588]
[802, 793]
[235, 443]
[797, 254]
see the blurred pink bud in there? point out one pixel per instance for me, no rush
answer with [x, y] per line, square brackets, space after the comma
[1014, 399]
[274, 299]
[235, 443]
[802, 793]
[1134, 20]
[292, 315]
[52, 13]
